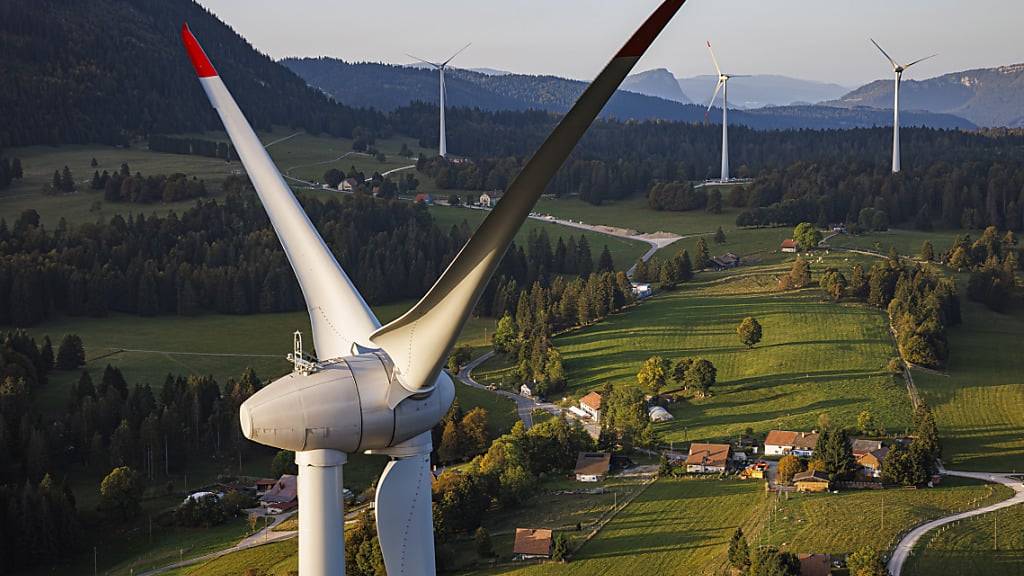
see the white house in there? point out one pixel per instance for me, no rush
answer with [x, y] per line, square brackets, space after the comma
[641, 291]
[591, 404]
[526, 391]
[708, 458]
[782, 442]
[489, 199]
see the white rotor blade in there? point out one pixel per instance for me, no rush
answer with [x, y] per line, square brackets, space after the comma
[713, 59]
[419, 341]
[404, 511]
[713, 96]
[339, 315]
[884, 53]
[461, 50]
[427, 62]
[920, 60]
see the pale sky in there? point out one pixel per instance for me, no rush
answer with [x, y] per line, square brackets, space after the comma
[815, 39]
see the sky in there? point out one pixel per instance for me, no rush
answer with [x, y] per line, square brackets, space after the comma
[824, 40]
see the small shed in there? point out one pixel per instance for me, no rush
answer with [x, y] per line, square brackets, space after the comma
[789, 246]
[811, 481]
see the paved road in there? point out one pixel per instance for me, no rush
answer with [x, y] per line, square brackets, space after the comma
[524, 406]
[906, 545]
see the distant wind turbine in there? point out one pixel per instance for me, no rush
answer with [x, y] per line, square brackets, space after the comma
[441, 67]
[723, 85]
[898, 69]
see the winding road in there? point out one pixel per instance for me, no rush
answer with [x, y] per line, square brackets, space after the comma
[902, 551]
[524, 406]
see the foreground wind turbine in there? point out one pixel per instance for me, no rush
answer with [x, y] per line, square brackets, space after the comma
[898, 69]
[381, 389]
[723, 85]
[441, 67]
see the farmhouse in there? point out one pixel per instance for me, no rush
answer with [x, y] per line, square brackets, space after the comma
[860, 446]
[815, 481]
[815, 564]
[871, 463]
[708, 458]
[526, 391]
[282, 507]
[725, 261]
[489, 199]
[591, 404]
[789, 245]
[284, 490]
[782, 442]
[348, 184]
[532, 543]
[264, 484]
[593, 466]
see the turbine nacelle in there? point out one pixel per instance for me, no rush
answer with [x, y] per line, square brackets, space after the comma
[343, 405]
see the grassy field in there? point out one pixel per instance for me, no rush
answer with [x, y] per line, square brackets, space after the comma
[979, 400]
[969, 548]
[815, 357]
[272, 560]
[906, 242]
[844, 522]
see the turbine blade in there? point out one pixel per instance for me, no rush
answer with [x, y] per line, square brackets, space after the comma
[338, 314]
[884, 53]
[427, 62]
[463, 49]
[419, 341]
[711, 102]
[405, 526]
[713, 59]
[920, 60]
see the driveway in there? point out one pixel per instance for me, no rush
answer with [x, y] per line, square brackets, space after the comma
[524, 406]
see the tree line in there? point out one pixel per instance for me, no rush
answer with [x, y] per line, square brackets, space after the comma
[192, 146]
[121, 186]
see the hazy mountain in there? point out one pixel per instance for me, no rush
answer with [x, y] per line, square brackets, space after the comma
[107, 70]
[987, 96]
[763, 90]
[659, 83]
[388, 87]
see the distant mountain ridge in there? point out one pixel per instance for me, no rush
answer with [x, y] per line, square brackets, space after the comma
[659, 83]
[761, 90]
[985, 96]
[387, 87]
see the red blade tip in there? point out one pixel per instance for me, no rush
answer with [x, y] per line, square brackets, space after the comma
[202, 65]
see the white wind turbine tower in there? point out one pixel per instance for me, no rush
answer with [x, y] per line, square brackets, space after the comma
[441, 67]
[723, 85]
[898, 70]
[381, 389]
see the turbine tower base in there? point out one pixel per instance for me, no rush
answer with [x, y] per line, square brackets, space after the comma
[321, 520]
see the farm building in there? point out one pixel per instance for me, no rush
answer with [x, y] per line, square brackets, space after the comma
[782, 442]
[489, 199]
[815, 564]
[284, 490]
[264, 484]
[811, 481]
[708, 458]
[593, 466]
[860, 446]
[641, 291]
[659, 414]
[532, 543]
[526, 391]
[282, 507]
[425, 199]
[871, 462]
[348, 184]
[725, 261]
[591, 404]
[789, 246]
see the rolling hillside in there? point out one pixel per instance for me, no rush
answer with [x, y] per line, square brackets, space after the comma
[109, 70]
[388, 87]
[986, 96]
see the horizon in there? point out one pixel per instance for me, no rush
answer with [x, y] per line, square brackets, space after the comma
[828, 34]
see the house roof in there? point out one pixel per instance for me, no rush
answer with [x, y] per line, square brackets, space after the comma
[532, 542]
[811, 476]
[872, 459]
[789, 438]
[285, 506]
[789, 243]
[861, 446]
[593, 400]
[815, 564]
[593, 463]
[708, 454]
[285, 490]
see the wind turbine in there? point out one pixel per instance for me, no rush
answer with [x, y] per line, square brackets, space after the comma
[381, 389]
[898, 70]
[441, 67]
[723, 85]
